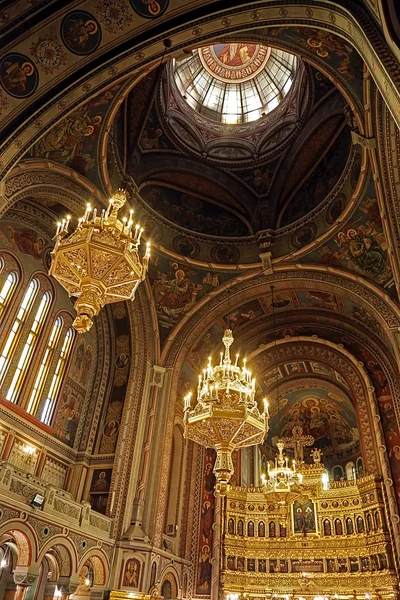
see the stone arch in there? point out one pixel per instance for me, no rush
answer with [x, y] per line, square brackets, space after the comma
[99, 562]
[24, 539]
[64, 553]
[354, 25]
[38, 178]
[247, 287]
[171, 575]
[54, 567]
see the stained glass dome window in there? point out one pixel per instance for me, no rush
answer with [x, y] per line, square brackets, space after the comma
[235, 83]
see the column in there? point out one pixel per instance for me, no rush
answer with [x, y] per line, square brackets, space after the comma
[49, 591]
[66, 586]
[98, 592]
[11, 589]
[26, 583]
[216, 552]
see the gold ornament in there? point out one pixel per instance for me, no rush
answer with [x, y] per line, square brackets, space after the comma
[226, 416]
[99, 262]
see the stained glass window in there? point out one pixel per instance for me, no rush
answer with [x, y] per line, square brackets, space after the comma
[235, 83]
[15, 332]
[6, 290]
[26, 354]
[44, 365]
[48, 408]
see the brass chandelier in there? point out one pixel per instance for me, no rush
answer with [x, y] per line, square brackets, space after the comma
[282, 476]
[99, 262]
[226, 415]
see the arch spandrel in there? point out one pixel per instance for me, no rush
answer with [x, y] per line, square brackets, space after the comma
[252, 286]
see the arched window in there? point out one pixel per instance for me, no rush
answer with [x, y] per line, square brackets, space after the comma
[325, 480]
[16, 329]
[350, 471]
[261, 529]
[369, 522]
[30, 343]
[377, 519]
[44, 365]
[49, 405]
[231, 526]
[6, 291]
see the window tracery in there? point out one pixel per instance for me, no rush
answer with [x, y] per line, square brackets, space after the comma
[27, 352]
[51, 399]
[25, 334]
[14, 334]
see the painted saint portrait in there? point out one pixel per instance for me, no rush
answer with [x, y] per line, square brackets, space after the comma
[304, 517]
[101, 480]
[122, 360]
[110, 429]
[235, 55]
[149, 9]
[18, 75]
[80, 32]
[185, 246]
[81, 363]
[68, 411]
[131, 573]
[205, 569]
[27, 241]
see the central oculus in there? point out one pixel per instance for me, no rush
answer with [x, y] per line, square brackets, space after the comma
[234, 63]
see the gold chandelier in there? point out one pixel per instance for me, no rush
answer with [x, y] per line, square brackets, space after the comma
[100, 261]
[282, 476]
[226, 415]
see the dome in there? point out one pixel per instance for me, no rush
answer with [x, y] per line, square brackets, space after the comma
[235, 83]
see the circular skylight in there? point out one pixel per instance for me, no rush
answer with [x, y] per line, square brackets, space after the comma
[235, 83]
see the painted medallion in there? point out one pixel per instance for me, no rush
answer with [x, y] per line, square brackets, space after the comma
[234, 62]
[149, 9]
[18, 75]
[80, 32]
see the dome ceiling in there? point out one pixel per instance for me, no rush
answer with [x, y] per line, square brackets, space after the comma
[205, 184]
[235, 83]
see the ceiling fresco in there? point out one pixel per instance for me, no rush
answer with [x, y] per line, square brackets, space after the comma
[322, 412]
[360, 245]
[74, 142]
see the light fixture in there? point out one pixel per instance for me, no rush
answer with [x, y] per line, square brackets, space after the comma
[29, 450]
[226, 415]
[282, 477]
[57, 593]
[99, 262]
[3, 563]
[87, 582]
